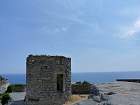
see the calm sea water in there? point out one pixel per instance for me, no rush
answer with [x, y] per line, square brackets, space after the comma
[93, 77]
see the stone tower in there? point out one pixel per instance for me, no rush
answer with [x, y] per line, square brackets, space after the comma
[48, 80]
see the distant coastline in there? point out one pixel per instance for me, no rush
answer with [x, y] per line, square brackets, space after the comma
[93, 77]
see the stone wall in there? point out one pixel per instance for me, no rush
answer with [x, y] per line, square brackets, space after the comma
[41, 77]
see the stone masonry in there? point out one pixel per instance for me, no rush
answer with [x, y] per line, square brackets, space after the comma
[48, 80]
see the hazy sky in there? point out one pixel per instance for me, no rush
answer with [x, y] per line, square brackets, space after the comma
[99, 35]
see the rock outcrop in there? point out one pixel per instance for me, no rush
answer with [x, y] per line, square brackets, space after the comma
[115, 93]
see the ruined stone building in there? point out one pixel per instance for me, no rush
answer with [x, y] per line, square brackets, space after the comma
[48, 80]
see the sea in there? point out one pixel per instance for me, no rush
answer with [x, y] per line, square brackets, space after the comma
[92, 77]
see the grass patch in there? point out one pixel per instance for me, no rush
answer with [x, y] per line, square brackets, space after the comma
[75, 98]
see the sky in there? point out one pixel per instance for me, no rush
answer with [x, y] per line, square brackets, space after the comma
[99, 35]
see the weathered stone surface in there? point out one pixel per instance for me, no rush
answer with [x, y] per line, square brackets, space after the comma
[126, 93]
[43, 84]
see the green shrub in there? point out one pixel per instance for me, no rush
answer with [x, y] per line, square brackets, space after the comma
[81, 88]
[5, 98]
[9, 89]
[16, 88]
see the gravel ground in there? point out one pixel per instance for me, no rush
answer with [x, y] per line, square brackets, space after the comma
[125, 93]
[87, 102]
[17, 98]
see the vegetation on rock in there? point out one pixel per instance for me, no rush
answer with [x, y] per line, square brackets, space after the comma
[15, 88]
[5, 98]
[81, 88]
[9, 89]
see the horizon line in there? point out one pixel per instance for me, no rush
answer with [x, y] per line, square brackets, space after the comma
[84, 72]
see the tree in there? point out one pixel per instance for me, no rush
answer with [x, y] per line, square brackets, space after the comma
[5, 98]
